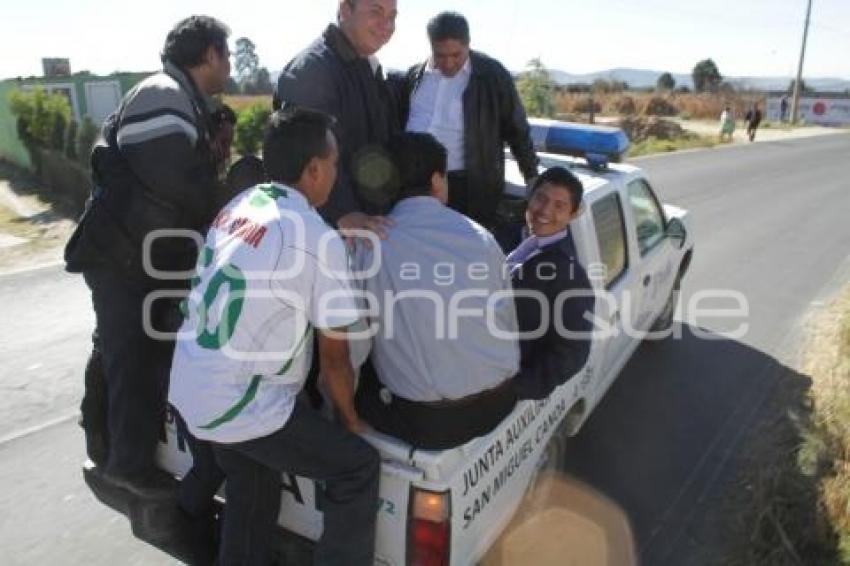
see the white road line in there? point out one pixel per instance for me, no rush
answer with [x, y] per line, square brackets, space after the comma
[17, 435]
[31, 268]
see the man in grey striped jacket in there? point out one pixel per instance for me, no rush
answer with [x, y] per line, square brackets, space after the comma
[153, 170]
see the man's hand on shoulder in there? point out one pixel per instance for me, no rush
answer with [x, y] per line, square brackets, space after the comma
[353, 224]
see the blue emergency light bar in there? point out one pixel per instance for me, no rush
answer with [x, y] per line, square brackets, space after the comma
[600, 145]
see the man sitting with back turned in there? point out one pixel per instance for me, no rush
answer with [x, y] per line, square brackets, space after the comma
[271, 275]
[444, 373]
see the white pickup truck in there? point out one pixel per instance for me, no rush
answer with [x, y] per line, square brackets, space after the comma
[449, 507]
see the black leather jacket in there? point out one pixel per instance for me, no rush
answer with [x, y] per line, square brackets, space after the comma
[331, 77]
[493, 115]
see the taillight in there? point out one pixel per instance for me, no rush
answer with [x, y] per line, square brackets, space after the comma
[428, 528]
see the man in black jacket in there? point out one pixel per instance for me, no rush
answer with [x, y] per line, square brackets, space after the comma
[469, 102]
[153, 170]
[339, 74]
[546, 264]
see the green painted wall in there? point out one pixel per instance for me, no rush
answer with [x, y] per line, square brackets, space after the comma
[11, 148]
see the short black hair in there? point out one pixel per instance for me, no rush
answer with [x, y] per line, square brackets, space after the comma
[294, 137]
[448, 25]
[187, 43]
[223, 115]
[416, 157]
[561, 177]
[247, 172]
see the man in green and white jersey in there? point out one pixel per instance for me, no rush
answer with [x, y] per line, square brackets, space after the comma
[271, 274]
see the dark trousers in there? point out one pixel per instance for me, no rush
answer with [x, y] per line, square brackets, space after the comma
[312, 447]
[203, 480]
[464, 198]
[459, 191]
[94, 406]
[430, 426]
[751, 131]
[135, 370]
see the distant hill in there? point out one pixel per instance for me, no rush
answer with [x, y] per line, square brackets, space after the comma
[642, 78]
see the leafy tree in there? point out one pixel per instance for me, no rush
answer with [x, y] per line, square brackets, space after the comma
[232, 87]
[250, 127]
[607, 86]
[665, 82]
[537, 90]
[247, 61]
[42, 117]
[71, 140]
[86, 139]
[706, 76]
[263, 82]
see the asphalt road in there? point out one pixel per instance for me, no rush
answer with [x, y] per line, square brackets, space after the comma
[770, 222]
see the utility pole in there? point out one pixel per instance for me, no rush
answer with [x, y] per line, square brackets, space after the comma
[795, 103]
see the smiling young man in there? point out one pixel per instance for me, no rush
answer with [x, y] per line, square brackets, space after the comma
[339, 74]
[469, 102]
[546, 262]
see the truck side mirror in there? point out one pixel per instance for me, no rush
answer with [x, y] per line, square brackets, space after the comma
[677, 233]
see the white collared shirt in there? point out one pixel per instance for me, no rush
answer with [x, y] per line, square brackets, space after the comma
[271, 271]
[436, 107]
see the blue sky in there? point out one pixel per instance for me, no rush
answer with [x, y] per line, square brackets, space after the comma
[744, 37]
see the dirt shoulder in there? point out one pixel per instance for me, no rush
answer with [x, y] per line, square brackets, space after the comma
[33, 231]
[768, 132]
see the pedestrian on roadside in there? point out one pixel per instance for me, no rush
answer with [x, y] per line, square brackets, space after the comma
[783, 108]
[753, 119]
[727, 124]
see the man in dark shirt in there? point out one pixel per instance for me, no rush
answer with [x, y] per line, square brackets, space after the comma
[546, 262]
[339, 74]
[753, 119]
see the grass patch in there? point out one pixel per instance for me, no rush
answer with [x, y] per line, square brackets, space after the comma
[654, 145]
[790, 505]
[826, 446]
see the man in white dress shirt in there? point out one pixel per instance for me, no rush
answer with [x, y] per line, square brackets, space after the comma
[469, 103]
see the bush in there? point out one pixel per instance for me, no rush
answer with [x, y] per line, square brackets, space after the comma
[660, 106]
[586, 106]
[42, 117]
[86, 139]
[71, 141]
[625, 105]
[250, 128]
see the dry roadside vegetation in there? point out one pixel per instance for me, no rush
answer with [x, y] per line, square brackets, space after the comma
[707, 106]
[825, 452]
[790, 506]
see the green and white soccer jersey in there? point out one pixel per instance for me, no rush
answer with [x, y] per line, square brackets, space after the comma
[271, 272]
